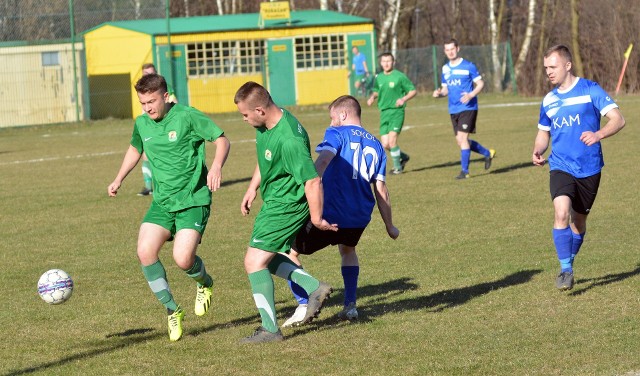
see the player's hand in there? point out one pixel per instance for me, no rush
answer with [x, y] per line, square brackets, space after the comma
[465, 98]
[393, 232]
[370, 101]
[538, 159]
[590, 138]
[247, 200]
[326, 226]
[112, 189]
[400, 102]
[437, 93]
[214, 178]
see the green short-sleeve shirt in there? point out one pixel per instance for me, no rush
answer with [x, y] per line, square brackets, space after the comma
[391, 87]
[175, 147]
[285, 164]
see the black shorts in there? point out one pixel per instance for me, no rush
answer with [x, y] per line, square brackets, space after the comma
[581, 191]
[311, 239]
[464, 121]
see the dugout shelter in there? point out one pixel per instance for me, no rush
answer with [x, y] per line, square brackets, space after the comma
[301, 60]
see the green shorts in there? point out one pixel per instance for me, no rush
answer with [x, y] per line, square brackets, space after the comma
[275, 230]
[359, 77]
[391, 120]
[194, 218]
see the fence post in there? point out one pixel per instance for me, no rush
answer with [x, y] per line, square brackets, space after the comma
[513, 73]
[435, 67]
[75, 65]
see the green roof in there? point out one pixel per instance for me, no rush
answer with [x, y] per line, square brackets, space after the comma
[235, 22]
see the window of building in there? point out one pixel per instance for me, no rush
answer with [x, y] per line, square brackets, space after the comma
[207, 59]
[50, 59]
[320, 52]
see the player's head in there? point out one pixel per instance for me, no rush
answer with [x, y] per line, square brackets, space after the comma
[355, 50]
[149, 69]
[152, 93]
[253, 102]
[451, 49]
[386, 62]
[345, 110]
[558, 64]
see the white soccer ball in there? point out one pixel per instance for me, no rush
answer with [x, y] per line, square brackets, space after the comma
[55, 286]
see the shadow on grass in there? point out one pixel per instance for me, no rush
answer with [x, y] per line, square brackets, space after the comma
[604, 280]
[501, 170]
[125, 339]
[235, 181]
[433, 303]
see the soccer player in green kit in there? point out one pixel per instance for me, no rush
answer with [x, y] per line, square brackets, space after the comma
[291, 193]
[393, 89]
[173, 137]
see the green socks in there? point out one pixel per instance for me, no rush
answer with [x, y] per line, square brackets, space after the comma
[284, 268]
[157, 278]
[199, 273]
[263, 295]
[146, 174]
[396, 157]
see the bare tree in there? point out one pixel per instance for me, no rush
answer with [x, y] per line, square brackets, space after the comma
[524, 49]
[324, 4]
[575, 42]
[542, 41]
[493, 27]
[220, 9]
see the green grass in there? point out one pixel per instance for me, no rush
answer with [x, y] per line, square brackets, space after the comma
[468, 288]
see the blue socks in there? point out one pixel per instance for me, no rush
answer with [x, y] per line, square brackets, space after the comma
[563, 239]
[350, 278]
[477, 148]
[576, 244]
[298, 292]
[465, 155]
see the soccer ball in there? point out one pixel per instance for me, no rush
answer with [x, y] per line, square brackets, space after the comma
[55, 286]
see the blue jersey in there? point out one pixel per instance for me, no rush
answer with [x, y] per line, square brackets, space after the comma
[358, 61]
[359, 161]
[459, 79]
[566, 114]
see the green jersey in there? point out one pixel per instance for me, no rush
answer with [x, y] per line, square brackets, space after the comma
[285, 163]
[175, 147]
[391, 87]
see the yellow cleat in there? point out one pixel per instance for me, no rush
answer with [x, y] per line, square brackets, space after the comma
[203, 300]
[175, 324]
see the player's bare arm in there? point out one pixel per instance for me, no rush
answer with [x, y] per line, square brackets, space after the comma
[252, 192]
[615, 123]
[372, 98]
[540, 145]
[406, 98]
[313, 192]
[214, 178]
[131, 158]
[466, 97]
[323, 160]
[384, 207]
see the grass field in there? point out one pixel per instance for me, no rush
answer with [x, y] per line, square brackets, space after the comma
[468, 288]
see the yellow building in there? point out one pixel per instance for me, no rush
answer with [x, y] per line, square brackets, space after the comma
[38, 84]
[302, 60]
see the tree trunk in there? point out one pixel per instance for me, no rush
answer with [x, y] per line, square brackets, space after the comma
[394, 27]
[387, 21]
[186, 8]
[494, 47]
[542, 41]
[575, 42]
[522, 56]
[220, 9]
[324, 4]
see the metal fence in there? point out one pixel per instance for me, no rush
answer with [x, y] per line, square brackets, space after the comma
[43, 76]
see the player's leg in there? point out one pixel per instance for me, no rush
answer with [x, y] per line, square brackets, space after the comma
[462, 139]
[586, 192]
[146, 176]
[562, 187]
[350, 269]
[150, 239]
[191, 224]
[255, 264]
[299, 294]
